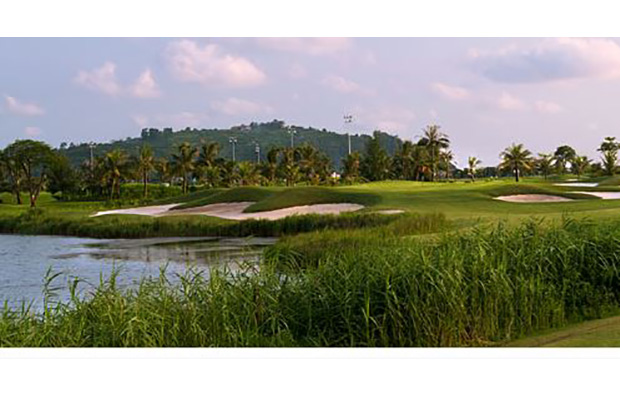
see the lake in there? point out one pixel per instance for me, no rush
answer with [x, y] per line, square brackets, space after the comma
[25, 261]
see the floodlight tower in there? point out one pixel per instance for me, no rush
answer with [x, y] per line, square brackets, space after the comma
[233, 143]
[257, 150]
[292, 132]
[348, 119]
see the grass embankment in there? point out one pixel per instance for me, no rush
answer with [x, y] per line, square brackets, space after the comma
[481, 287]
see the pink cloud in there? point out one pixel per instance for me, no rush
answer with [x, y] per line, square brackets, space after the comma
[21, 108]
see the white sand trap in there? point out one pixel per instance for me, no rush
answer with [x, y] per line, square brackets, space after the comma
[578, 184]
[533, 199]
[389, 211]
[152, 211]
[235, 210]
[604, 195]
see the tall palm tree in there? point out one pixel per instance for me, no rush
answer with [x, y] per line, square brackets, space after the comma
[146, 165]
[609, 148]
[351, 167]
[208, 154]
[164, 172]
[580, 164]
[435, 141]
[248, 173]
[271, 165]
[472, 164]
[406, 159]
[115, 163]
[544, 164]
[309, 158]
[183, 163]
[447, 157]
[517, 159]
[289, 166]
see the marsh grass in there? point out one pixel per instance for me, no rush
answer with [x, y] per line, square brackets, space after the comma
[469, 288]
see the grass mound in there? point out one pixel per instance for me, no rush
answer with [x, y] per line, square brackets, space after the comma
[302, 196]
[242, 194]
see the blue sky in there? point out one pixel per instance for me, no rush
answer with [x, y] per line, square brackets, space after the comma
[485, 93]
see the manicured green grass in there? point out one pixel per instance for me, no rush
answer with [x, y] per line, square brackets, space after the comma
[242, 194]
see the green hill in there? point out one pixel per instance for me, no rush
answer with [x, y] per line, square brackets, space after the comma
[270, 134]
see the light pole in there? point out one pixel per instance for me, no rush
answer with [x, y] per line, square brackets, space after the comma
[257, 150]
[348, 119]
[233, 143]
[92, 157]
[292, 132]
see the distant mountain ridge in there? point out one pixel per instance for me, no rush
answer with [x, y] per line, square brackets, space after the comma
[267, 135]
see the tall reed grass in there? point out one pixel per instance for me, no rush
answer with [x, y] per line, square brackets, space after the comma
[473, 288]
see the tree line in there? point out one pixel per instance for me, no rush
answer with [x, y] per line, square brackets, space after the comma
[28, 166]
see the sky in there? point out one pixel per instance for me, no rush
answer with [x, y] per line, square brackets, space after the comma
[485, 93]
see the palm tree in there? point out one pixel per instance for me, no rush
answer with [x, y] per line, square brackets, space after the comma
[517, 159]
[289, 166]
[146, 164]
[472, 163]
[434, 141]
[248, 174]
[544, 163]
[580, 164]
[162, 166]
[271, 165]
[183, 163]
[446, 159]
[208, 154]
[114, 167]
[609, 147]
[308, 161]
[406, 159]
[351, 167]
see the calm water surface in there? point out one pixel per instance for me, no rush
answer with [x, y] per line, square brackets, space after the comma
[25, 260]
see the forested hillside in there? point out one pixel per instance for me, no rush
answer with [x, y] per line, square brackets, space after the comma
[267, 135]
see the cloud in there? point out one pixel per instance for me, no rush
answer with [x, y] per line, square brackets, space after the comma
[297, 71]
[451, 92]
[102, 79]
[343, 85]
[209, 66]
[551, 60]
[389, 119]
[32, 131]
[234, 106]
[21, 108]
[547, 107]
[508, 102]
[310, 45]
[145, 86]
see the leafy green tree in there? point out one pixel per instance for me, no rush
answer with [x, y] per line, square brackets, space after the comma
[544, 164]
[375, 165]
[447, 157]
[183, 164]
[12, 173]
[146, 165]
[516, 159]
[62, 176]
[472, 165]
[434, 141]
[609, 148]
[563, 155]
[579, 165]
[31, 159]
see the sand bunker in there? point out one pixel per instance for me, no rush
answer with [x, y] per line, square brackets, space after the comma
[533, 199]
[604, 195]
[578, 184]
[235, 210]
[389, 211]
[152, 211]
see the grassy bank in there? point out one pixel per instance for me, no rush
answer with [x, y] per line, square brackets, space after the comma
[391, 288]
